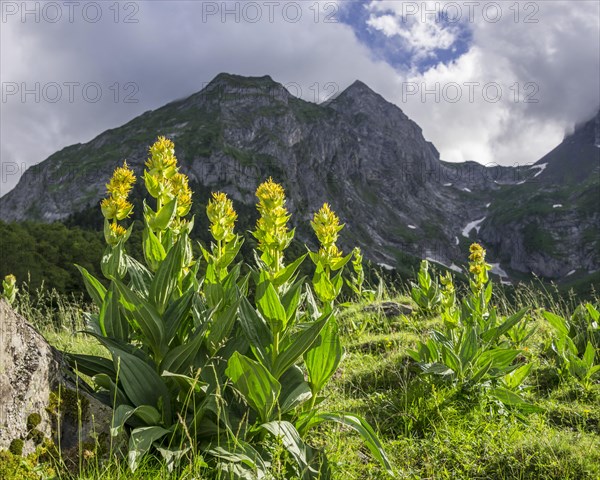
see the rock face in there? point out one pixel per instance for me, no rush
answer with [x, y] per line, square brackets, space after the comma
[37, 400]
[358, 152]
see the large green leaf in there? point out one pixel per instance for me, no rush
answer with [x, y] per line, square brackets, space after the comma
[145, 316]
[290, 438]
[256, 331]
[291, 298]
[154, 252]
[298, 343]
[140, 276]
[512, 399]
[269, 305]
[140, 382]
[96, 290]
[181, 359]
[220, 327]
[112, 322]
[91, 365]
[288, 272]
[324, 357]
[256, 384]
[469, 347]
[294, 389]
[165, 279]
[176, 314]
[500, 358]
[559, 323]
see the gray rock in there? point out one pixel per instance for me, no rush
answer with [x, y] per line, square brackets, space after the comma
[35, 382]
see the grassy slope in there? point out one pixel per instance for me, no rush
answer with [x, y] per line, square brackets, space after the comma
[433, 433]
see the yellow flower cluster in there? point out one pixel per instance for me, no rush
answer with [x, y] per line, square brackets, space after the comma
[326, 225]
[162, 177]
[272, 231]
[222, 217]
[116, 206]
[477, 265]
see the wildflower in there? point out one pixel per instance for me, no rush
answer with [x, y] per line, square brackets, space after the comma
[180, 189]
[121, 182]
[222, 217]
[271, 230]
[9, 288]
[477, 266]
[163, 180]
[116, 208]
[326, 225]
[162, 159]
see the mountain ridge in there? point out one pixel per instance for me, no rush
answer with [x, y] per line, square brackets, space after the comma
[359, 152]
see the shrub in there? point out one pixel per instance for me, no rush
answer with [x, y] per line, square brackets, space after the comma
[222, 364]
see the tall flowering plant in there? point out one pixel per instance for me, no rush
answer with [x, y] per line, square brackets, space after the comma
[214, 364]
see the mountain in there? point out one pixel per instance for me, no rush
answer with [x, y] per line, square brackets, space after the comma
[360, 153]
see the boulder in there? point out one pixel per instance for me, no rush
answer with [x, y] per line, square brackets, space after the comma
[39, 396]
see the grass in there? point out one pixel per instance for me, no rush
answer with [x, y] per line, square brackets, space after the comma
[429, 431]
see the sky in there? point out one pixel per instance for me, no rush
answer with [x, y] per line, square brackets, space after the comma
[494, 82]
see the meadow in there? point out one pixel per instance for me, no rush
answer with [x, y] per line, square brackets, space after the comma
[253, 370]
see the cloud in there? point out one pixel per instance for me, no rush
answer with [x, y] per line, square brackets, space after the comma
[175, 48]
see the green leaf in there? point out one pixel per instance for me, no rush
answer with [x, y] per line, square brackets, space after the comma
[365, 431]
[512, 399]
[291, 298]
[220, 327]
[479, 374]
[270, 307]
[181, 359]
[95, 289]
[588, 355]
[495, 333]
[515, 378]
[469, 346]
[113, 263]
[145, 316]
[256, 384]
[324, 357]
[294, 390]
[176, 314]
[290, 438]
[112, 322]
[140, 276]
[140, 382]
[140, 441]
[165, 279]
[256, 331]
[299, 343]
[437, 368]
[154, 252]
[500, 358]
[91, 365]
[557, 322]
[288, 272]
